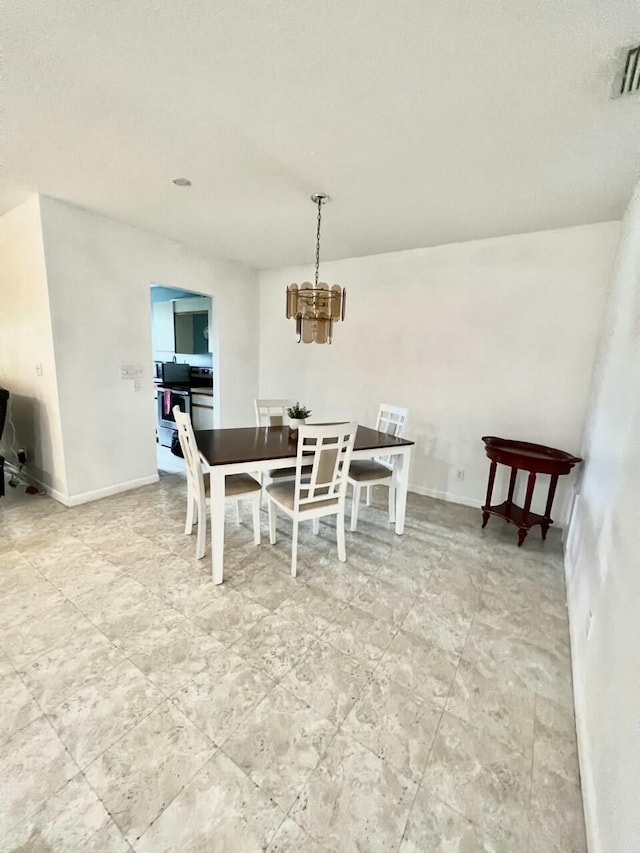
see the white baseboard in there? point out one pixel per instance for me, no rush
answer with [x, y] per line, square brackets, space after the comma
[84, 497]
[586, 776]
[444, 496]
[107, 491]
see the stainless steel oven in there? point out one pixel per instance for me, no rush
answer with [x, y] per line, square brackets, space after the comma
[169, 396]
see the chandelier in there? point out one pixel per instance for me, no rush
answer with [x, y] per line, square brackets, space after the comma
[316, 307]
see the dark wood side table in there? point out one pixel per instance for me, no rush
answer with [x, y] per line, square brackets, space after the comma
[523, 456]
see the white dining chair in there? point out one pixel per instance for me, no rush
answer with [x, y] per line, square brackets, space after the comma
[273, 413]
[378, 471]
[320, 491]
[237, 487]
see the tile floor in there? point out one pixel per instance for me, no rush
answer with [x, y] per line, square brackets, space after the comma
[416, 699]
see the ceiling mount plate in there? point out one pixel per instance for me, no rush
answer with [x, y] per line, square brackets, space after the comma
[320, 197]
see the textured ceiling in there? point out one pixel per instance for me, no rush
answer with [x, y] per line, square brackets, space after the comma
[427, 121]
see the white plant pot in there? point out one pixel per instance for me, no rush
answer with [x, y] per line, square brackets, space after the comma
[294, 423]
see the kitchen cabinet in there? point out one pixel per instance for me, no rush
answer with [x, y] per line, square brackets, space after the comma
[182, 325]
[163, 328]
[191, 305]
[192, 331]
[201, 410]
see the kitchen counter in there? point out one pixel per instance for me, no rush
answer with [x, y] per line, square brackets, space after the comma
[194, 387]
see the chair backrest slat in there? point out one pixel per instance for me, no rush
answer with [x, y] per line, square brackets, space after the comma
[190, 452]
[327, 451]
[272, 412]
[392, 420]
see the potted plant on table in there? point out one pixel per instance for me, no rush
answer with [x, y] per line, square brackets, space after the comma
[297, 415]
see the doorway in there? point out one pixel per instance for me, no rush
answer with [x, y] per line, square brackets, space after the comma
[183, 347]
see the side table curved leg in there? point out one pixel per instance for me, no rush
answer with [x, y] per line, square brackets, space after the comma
[492, 476]
[522, 535]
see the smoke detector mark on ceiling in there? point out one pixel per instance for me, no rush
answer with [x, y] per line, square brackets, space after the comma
[628, 79]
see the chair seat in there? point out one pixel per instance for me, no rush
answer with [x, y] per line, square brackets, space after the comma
[235, 484]
[284, 493]
[363, 470]
[239, 484]
[286, 473]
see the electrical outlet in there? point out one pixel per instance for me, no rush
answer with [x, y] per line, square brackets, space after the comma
[39, 369]
[137, 385]
[22, 456]
[126, 371]
[460, 474]
[587, 629]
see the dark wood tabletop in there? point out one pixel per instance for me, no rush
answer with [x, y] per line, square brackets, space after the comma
[529, 457]
[256, 444]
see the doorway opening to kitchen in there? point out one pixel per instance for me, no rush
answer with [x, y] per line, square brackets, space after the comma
[183, 340]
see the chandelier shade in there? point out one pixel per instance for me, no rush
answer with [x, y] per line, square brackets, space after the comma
[316, 306]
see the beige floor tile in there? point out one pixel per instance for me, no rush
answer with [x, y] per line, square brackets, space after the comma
[493, 704]
[274, 645]
[555, 746]
[354, 801]
[230, 615]
[434, 827]
[28, 602]
[66, 669]
[360, 635]
[91, 720]
[60, 550]
[33, 765]
[192, 595]
[443, 618]
[220, 698]
[73, 820]
[17, 575]
[269, 587]
[220, 809]
[106, 605]
[145, 770]
[557, 821]
[17, 706]
[170, 659]
[327, 680]
[161, 572]
[481, 778]
[424, 668]
[384, 601]
[279, 744]
[54, 627]
[290, 837]
[339, 580]
[311, 608]
[503, 654]
[395, 724]
[82, 575]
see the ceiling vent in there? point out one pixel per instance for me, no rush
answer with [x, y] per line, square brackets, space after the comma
[628, 80]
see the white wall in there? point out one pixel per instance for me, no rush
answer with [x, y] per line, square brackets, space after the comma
[603, 570]
[492, 337]
[99, 274]
[26, 340]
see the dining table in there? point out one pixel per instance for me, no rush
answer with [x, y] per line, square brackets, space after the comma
[249, 450]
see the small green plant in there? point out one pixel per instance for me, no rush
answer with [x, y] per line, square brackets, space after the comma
[298, 412]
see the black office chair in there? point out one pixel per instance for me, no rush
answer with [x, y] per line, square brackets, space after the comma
[4, 402]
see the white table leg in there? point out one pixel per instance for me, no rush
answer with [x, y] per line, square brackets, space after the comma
[402, 481]
[217, 523]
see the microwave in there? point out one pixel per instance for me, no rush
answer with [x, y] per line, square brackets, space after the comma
[172, 371]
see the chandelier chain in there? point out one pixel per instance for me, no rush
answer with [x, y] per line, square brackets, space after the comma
[318, 238]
